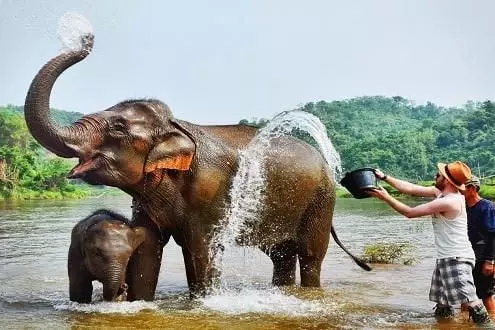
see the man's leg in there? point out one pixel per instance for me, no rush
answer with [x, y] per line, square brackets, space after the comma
[489, 304]
[457, 273]
[437, 294]
[485, 287]
[478, 283]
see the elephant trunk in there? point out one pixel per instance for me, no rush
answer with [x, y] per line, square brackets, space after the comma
[113, 283]
[37, 105]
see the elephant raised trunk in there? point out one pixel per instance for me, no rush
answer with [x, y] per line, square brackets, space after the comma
[37, 105]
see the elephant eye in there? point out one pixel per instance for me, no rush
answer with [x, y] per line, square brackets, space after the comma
[98, 252]
[119, 127]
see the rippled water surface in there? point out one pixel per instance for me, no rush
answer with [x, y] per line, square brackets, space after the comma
[35, 236]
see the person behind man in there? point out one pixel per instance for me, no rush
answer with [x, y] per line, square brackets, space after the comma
[481, 232]
[452, 280]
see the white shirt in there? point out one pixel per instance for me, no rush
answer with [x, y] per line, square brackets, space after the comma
[451, 238]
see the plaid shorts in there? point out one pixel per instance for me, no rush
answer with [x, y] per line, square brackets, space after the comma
[452, 282]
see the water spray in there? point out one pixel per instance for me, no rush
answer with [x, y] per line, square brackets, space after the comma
[73, 28]
[247, 191]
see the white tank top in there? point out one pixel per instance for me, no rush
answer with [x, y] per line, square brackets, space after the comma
[451, 238]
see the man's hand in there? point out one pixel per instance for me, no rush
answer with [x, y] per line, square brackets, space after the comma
[487, 268]
[379, 174]
[379, 193]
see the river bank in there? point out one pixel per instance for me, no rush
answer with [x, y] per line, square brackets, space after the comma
[486, 191]
[73, 192]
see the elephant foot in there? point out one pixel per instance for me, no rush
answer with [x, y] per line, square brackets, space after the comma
[199, 290]
[285, 280]
[310, 268]
[284, 261]
[284, 272]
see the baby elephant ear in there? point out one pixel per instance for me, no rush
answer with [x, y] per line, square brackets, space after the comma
[139, 236]
[175, 153]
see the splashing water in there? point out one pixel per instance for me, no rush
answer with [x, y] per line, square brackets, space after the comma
[103, 307]
[247, 192]
[71, 28]
[270, 301]
[288, 121]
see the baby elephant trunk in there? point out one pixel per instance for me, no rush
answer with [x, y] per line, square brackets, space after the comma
[114, 288]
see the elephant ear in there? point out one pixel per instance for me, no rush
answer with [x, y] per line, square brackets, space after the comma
[138, 237]
[174, 152]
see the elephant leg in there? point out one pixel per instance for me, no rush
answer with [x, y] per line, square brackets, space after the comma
[197, 270]
[310, 268]
[144, 267]
[80, 285]
[284, 260]
[80, 279]
[314, 240]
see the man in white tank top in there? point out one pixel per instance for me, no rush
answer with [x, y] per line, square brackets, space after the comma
[452, 280]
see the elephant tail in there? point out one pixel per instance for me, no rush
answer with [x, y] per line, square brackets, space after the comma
[358, 261]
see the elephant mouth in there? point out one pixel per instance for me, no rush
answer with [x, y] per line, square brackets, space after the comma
[80, 170]
[84, 169]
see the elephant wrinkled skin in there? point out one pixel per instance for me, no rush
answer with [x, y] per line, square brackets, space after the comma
[100, 249]
[179, 175]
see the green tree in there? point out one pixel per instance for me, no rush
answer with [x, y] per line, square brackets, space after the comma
[405, 139]
[29, 168]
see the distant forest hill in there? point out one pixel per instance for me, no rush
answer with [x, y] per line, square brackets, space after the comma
[404, 139]
[61, 117]
[392, 133]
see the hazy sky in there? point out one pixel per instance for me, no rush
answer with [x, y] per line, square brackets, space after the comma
[219, 61]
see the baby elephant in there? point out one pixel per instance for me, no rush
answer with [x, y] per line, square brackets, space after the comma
[100, 248]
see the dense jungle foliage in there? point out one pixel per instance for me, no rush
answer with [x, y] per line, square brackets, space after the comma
[404, 139]
[27, 170]
[394, 134]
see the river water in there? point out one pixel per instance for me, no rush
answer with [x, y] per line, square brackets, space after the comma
[35, 236]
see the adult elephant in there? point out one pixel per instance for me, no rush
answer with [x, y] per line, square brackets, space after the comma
[179, 175]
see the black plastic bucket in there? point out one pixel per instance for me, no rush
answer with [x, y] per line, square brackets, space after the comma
[360, 180]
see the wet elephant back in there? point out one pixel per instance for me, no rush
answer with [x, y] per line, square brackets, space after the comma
[297, 180]
[237, 136]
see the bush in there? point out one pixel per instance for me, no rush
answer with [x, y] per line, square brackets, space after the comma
[388, 253]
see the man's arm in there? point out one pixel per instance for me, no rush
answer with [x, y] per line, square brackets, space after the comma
[435, 206]
[406, 187]
[489, 252]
